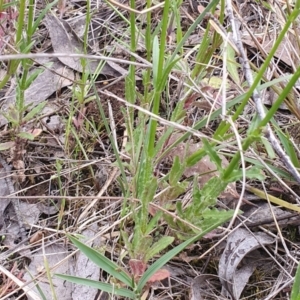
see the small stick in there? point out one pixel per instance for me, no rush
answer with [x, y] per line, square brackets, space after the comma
[123, 6]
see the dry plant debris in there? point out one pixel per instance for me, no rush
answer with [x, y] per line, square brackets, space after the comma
[59, 172]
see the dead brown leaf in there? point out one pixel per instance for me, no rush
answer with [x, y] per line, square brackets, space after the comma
[64, 40]
[159, 276]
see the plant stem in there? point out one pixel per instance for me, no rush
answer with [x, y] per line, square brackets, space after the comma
[160, 84]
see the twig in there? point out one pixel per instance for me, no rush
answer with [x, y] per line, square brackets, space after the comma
[21, 284]
[75, 55]
[112, 176]
[127, 8]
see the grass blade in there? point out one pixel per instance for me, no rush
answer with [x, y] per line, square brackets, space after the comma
[106, 287]
[103, 262]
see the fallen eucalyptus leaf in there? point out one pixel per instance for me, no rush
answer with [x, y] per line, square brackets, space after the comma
[64, 40]
[232, 274]
[85, 268]
[55, 255]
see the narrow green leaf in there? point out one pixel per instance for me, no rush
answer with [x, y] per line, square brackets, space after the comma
[162, 140]
[12, 116]
[180, 44]
[288, 147]
[213, 155]
[34, 111]
[26, 136]
[141, 247]
[160, 245]
[269, 148]
[149, 191]
[166, 72]
[103, 262]
[176, 172]
[295, 294]
[153, 222]
[42, 14]
[211, 190]
[195, 157]
[128, 245]
[32, 77]
[232, 65]
[179, 209]
[251, 173]
[106, 287]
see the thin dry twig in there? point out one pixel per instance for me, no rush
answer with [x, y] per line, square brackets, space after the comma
[21, 284]
[87, 56]
[112, 176]
[144, 11]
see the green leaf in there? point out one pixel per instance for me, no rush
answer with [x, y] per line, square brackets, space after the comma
[153, 222]
[176, 171]
[192, 28]
[179, 209]
[195, 157]
[26, 136]
[106, 287]
[12, 116]
[144, 176]
[210, 192]
[34, 111]
[251, 173]
[149, 191]
[128, 245]
[42, 14]
[103, 262]
[36, 284]
[269, 148]
[137, 237]
[213, 155]
[32, 77]
[295, 294]
[208, 218]
[161, 142]
[288, 146]
[173, 192]
[166, 72]
[141, 247]
[160, 245]
[232, 65]
[7, 145]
